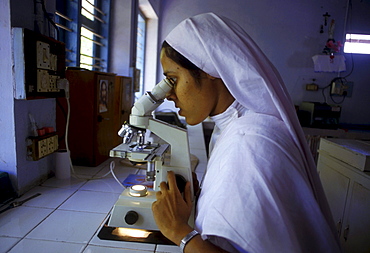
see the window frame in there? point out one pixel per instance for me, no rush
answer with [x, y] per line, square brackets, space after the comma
[71, 36]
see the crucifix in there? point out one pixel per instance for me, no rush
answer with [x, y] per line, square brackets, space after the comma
[326, 16]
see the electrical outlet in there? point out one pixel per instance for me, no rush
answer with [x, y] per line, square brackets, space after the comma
[53, 62]
[43, 55]
[41, 146]
[312, 87]
[39, 62]
[310, 83]
[52, 143]
[341, 87]
[53, 84]
[43, 80]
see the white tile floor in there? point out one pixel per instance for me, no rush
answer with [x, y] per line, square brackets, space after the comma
[68, 214]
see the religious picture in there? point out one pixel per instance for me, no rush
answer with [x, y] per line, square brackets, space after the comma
[103, 96]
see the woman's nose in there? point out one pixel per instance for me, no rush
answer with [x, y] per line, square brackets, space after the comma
[170, 95]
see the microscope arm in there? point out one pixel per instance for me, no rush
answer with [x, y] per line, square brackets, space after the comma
[180, 152]
[174, 136]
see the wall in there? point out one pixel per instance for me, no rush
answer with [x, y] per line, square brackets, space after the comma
[31, 173]
[14, 115]
[123, 38]
[7, 124]
[121, 34]
[288, 33]
[150, 9]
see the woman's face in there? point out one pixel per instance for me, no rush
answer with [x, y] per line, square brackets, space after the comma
[196, 101]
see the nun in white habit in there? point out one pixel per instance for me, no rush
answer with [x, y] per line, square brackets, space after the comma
[261, 192]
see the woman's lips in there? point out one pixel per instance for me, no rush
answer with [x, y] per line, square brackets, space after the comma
[179, 112]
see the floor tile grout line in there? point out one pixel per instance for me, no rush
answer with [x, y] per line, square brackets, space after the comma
[54, 209]
[47, 216]
[77, 189]
[33, 229]
[80, 211]
[89, 190]
[84, 244]
[47, 240]
[99, 227]
[104, 165]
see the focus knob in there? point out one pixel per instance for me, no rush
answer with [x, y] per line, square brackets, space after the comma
[131, 217]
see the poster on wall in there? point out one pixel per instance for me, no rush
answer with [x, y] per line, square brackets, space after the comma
[103, 96]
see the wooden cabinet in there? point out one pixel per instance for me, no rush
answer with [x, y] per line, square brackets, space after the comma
[97, 110]
[347, 189]
[124, 100]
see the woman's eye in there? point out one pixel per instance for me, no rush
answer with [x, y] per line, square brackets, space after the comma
[172, 80]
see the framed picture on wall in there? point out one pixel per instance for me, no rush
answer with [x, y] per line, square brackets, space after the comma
[103, 96]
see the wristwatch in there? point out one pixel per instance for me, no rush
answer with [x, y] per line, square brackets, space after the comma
[186, 239]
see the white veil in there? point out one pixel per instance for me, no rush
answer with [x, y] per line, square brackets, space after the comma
[221, 48]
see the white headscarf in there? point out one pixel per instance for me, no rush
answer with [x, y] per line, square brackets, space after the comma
[221, 48]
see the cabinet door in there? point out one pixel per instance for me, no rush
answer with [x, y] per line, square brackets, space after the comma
[127, 100]
[105, 129]
[123, 103]
[81, 133]
[356, 230]
[335, 186]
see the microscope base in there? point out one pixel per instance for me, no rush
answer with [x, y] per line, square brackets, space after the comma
[136, 212]
[133, 212]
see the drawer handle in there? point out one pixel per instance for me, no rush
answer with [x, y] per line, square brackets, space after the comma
[100, 118]
[339, 226]
[345, 233]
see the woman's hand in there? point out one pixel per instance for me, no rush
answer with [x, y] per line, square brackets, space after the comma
[196, 186]
[171, 210]
[171, 213]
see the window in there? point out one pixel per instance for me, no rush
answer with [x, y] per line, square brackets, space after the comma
[357, 43]
[357, 27]
[84, 27]
[140, 52]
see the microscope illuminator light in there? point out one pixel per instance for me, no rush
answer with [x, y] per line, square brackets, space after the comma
[138, 190]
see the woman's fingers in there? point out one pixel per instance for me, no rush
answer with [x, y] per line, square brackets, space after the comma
[172, 180]
[187, 193]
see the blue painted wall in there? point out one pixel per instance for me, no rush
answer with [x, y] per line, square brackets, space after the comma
[288, 32]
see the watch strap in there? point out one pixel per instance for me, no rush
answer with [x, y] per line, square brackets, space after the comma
[187, 238]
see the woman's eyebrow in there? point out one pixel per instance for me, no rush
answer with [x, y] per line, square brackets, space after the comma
[168, 72]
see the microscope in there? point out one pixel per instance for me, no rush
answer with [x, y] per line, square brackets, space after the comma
[170, 152]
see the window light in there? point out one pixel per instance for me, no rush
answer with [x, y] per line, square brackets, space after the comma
[87, 47]
[357, 43]
[140, 53]
[87, 9]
